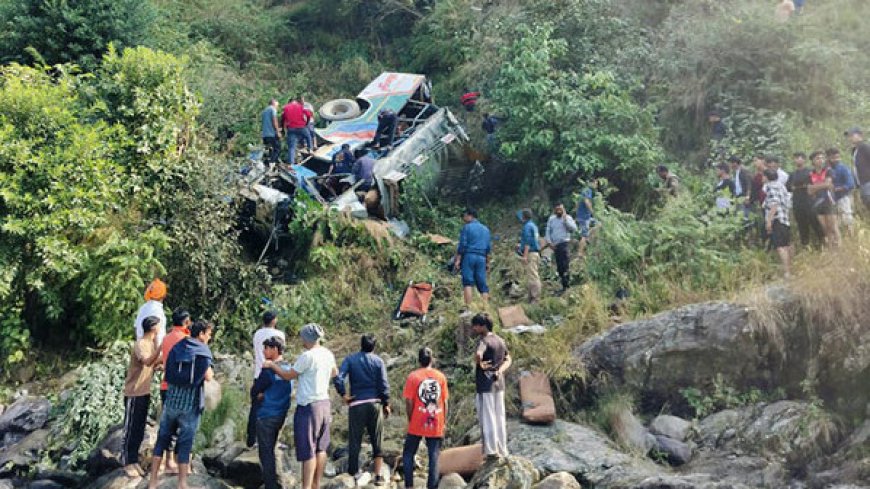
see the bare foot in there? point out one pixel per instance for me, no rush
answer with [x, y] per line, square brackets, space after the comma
[131, 471]
[170, 468]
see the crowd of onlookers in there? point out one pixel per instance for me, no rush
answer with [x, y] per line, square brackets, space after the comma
[188, 382]
[818, 195]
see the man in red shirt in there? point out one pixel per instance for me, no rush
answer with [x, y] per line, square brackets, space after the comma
[469, 99]
[180, 329]
[426, 405]
[295, 120]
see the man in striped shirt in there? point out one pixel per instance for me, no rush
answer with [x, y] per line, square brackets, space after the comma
[185, 399]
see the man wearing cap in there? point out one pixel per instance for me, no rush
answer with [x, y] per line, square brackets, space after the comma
[861, 160]
[270, 320]
[154, 295]
[273, 394]
[472, 256]
[311, 422]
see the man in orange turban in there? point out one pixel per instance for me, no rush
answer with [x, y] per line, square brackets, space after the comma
[154, 295]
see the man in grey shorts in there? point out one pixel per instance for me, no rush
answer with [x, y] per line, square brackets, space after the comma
[313, 370]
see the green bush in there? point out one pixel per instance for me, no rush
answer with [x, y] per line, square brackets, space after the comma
[685, 250]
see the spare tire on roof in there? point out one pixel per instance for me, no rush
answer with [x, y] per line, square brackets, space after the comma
[340, 109]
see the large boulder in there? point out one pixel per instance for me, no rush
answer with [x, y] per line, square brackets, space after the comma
[452, 481]
[341, 481]
[590, 457]
[686, 347]
[559, 480]
[216, 460]
[106, 457]
[20, 458]
[198, 481]
[674, 452]
[116, 479]
[240, 465]
[770, 345]
[507, 473]
[24, 416]
[61, 477]
[762, 445]
[670, 426]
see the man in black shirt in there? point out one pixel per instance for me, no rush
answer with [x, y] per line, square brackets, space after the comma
[802, 203]
[491, 361]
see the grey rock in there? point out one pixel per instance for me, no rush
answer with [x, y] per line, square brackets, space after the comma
[559, 480]
[64, 478]
[24, 416]
[670, 426]
[511, 472]
[690, 346]
[46, 484]
[761, 445]
[589, 456]
[578, 450]
[10, 483]
[19, 458]
[630, 432]
[216, 460]
[675, 452]
[452, 481]
[245, 470]
[224, 435]
[106, 457]
[198, 481]
[342, 481]
[116, 479]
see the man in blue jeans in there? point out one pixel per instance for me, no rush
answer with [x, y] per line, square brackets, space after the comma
[472, 256]
[188, 366]
[368, 402]
[273, 393]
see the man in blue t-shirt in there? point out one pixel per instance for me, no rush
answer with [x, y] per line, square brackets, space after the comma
[584, 218]
[273, 392]
[472, 256]
[844, 183]
[271, 131]
[529, 250]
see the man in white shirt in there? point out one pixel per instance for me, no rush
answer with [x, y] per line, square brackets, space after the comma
[155, 293]
[314, 369]
[269, 329]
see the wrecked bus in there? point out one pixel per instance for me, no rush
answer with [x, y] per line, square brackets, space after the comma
[421, 140]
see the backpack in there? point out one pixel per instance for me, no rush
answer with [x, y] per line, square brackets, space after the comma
[181, 365]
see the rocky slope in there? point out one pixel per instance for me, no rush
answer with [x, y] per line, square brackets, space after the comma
[818, 439]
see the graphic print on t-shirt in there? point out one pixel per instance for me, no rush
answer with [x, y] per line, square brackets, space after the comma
[429, 392]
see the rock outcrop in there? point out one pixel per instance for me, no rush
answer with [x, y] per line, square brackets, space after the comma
[559, 480]
[106, 457]
[774, 346]
[24, 416]
[507, 473]
[687, 347]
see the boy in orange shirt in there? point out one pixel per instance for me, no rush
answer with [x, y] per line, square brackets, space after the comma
[426, 404]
